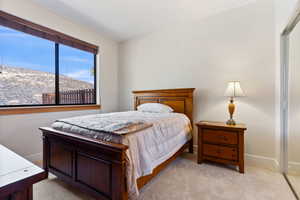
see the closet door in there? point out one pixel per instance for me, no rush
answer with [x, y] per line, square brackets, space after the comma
[293, 171]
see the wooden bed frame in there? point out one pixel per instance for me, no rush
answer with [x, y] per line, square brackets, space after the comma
[98, 167]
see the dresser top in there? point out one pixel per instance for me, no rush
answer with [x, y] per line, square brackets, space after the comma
[14, 168]
[221, 125]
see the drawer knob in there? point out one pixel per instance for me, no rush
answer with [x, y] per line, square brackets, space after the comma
[222, 137]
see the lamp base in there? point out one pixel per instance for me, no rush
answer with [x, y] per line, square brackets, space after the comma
[231, 122]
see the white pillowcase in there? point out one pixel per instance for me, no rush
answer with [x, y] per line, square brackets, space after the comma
[155, 108]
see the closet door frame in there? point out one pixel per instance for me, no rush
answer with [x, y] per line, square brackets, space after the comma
[284, 93]
[284, 87]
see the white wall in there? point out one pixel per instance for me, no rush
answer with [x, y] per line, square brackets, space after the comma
[233, 45]
[20, 132]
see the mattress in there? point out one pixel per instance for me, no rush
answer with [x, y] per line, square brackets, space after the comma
[149, 147]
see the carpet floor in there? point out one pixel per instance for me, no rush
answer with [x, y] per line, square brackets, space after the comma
[295, 182]
[184, 179]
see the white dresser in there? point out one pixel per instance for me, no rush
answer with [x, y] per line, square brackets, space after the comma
[17, 175]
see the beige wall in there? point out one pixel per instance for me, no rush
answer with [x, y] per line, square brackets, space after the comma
[233, 45]
[20, 132]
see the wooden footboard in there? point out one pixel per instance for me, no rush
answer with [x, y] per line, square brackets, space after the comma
[95, 167]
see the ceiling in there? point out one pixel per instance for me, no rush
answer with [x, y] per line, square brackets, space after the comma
[125, 19]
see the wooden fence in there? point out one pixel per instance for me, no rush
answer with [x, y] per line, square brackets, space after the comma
[85, 96]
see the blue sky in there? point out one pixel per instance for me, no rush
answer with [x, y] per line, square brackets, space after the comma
[19, 49]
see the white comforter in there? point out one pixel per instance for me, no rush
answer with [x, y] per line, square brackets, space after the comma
[148, 148]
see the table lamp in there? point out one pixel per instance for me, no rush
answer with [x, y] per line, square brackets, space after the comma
[233, 90]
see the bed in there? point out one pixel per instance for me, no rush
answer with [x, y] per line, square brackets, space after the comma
[98, 167]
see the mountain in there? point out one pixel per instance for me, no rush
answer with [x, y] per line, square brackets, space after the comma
[25, 86]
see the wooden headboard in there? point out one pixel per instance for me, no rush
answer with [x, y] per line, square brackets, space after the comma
[181, 100]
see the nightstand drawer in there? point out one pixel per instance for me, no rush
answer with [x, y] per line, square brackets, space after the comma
[219, 136]
[229, 153]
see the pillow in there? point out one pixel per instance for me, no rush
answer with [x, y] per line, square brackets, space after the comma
[154, 108]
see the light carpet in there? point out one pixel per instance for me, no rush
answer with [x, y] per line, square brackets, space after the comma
[295, 182]
[184, 179]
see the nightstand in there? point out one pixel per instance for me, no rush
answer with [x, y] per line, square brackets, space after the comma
[219, 142]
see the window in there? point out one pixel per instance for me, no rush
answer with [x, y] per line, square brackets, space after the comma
[27, 66]
[76, 76]
[39, 66]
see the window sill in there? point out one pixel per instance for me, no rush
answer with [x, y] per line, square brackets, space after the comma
[43, 109]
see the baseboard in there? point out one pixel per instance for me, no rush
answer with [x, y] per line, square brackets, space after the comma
[258, 161]
[294, 168]
[262, 162]
[35, 158]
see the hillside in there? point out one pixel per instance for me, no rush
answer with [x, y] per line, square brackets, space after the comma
[25, 86]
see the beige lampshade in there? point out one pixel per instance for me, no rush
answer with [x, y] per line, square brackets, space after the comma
[234, 89]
